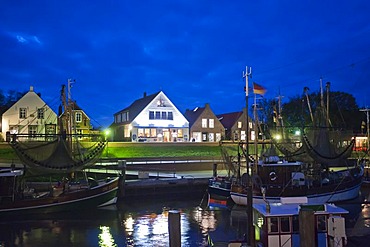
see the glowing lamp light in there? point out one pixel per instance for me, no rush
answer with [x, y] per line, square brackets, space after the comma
[297, 132]
[277, 137]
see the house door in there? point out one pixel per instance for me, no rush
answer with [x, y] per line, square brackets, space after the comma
[166, 135]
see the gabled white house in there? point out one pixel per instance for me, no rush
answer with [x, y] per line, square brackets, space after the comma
[153, 118]
[29, 115]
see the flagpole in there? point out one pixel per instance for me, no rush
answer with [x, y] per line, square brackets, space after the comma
[250, 229]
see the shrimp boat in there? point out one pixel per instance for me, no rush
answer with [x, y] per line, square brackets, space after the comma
[64, 154]
[315, 164]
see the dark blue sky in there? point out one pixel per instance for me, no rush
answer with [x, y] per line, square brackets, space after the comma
[193, 50]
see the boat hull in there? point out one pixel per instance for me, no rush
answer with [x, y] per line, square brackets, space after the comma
[328, 196]
[101, 195]
[219, 188]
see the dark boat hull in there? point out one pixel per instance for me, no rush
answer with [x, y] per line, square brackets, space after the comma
[101, 195]
[219, 188]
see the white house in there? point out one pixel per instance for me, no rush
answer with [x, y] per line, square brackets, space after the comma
[153, 118]
[29, 115]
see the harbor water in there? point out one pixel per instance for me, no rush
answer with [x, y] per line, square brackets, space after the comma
[144, 222]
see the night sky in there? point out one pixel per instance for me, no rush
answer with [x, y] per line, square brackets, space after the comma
[193, 50]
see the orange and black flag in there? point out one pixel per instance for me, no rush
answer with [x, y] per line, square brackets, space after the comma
[258, 89]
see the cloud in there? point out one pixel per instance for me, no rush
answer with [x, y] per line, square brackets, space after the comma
[28, 39]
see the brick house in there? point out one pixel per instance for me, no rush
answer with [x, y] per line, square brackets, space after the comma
[204, 125]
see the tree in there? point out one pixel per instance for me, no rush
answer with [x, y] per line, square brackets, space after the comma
[343, 110]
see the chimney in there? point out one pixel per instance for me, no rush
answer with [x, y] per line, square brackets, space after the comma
[31, 88]
[144, 94]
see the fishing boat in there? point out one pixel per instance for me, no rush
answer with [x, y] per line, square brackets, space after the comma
[63, 155]
[291, 222]
[58, 198]
[316, 164]
[219, 187]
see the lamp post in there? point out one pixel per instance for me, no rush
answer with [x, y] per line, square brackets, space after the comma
[106, 133]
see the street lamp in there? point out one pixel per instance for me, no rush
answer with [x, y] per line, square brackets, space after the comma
[107, 133]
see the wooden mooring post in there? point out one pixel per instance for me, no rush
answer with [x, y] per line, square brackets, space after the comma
[174, 228]
[122, 167]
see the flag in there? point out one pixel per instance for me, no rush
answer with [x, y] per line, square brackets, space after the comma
[258, 89]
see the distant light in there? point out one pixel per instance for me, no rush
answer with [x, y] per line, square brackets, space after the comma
[297, 132]
[277, 137]
[107, 132]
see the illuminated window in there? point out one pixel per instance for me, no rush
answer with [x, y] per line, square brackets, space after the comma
[211, 137]
[40, 113]
[240, 125]
[204, 123]
[179, 133]
[147, 132]
[153, 132]
[78, 117]
[204, 137]
[22, 112]
[211, 123]
[140, 132]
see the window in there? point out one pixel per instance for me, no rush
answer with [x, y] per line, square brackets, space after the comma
[32, 130]
[179, 133]
[204, 137]
[22, 112]
[40, 113]
[157, 115]
[240, 125]
[164, 115]
[204, 123]
[170, 115]
[218, 137]
[211, 123]
[151, 115]
[211, 137]
[78, 117]
[273, 224]
[284, 224]
[321, 223]
[140, 132]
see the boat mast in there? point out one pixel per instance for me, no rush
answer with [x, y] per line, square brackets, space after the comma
[306, 89]
[250, 229]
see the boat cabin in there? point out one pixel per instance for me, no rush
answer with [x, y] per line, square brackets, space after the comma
[8, 183]
[294, 220]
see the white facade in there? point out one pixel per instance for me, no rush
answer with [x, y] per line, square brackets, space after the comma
[29, 115]
[160, 121]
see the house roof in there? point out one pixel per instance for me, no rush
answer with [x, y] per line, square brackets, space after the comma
[138, 105]
[229, 119]
[193, 115]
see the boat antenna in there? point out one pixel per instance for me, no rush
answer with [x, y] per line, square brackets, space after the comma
[246, 74]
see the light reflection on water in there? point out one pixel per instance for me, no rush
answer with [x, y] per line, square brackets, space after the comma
[140, 223]
[151, 229]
